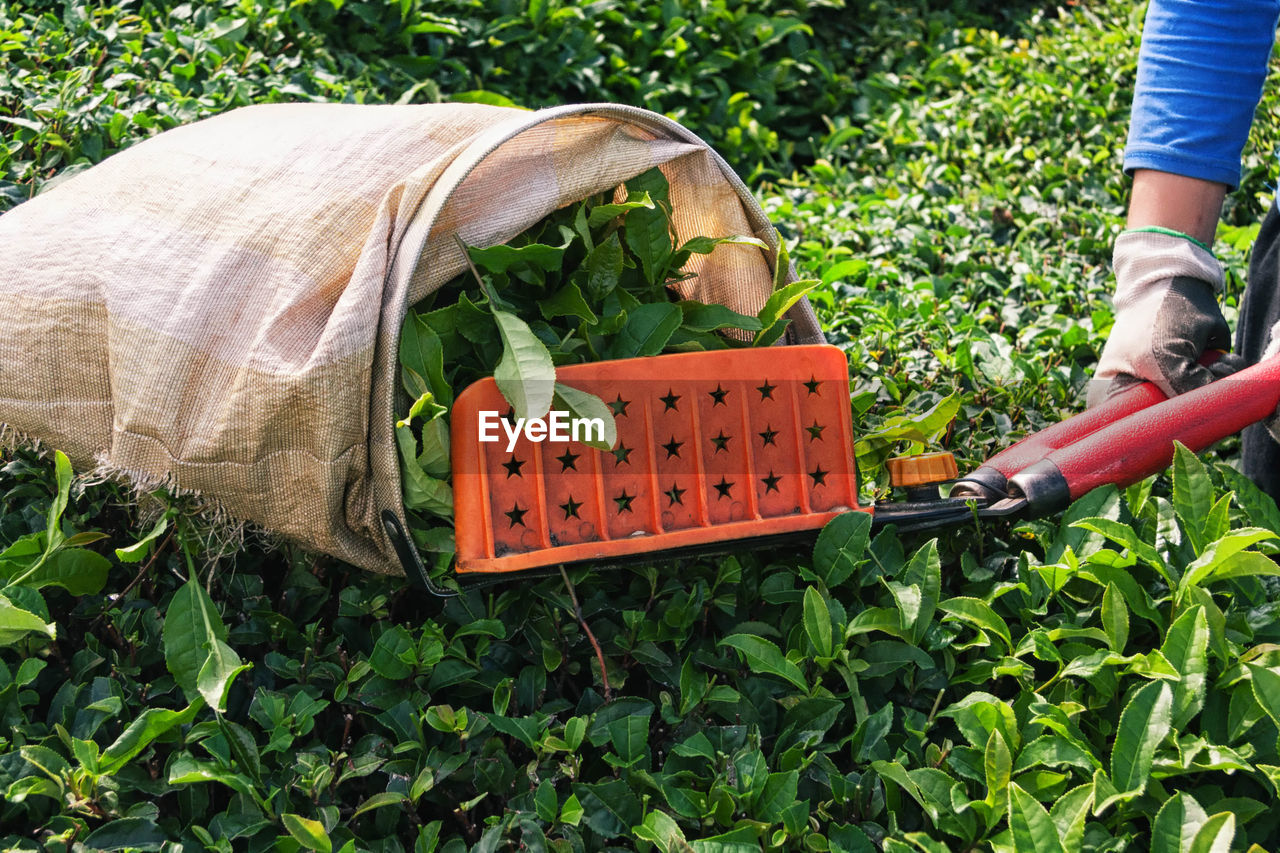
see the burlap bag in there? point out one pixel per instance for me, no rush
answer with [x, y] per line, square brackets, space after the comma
[217, 309]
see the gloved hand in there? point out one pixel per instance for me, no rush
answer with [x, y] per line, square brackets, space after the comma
[1166, 318]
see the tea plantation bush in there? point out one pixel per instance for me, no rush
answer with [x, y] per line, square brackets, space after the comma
[1104, 680]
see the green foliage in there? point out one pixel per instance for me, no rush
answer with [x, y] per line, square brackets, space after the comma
[80, 82]
[879, 691]
[1108, 679]
[43, 558]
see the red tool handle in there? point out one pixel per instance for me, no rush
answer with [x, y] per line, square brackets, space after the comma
[992, 478]
[1141, 444]
[1038, 445]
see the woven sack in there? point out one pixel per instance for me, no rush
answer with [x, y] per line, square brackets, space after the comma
[217, 309]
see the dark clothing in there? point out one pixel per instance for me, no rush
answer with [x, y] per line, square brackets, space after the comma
[1259, 311]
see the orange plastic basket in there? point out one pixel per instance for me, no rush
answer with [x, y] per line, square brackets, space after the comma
[712, 446]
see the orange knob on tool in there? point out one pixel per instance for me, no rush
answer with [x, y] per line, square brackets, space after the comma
[924, 469]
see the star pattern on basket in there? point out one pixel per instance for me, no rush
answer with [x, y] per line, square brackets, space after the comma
[569, 460]
[724, 487]
[571, 508]
[623, 500]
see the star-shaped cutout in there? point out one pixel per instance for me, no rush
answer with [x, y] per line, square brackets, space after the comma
[718, 395]
[513, 466]
[815, 431]
[769, 435]
[621, 454]
[673, 448]
[670, 400]
[819, 476]
[721, 441]
[674, 495]
[766, 390]
[619, 406]
[723, 487]
[516, 514]
[624, 502]
[770, 482]
[571, 508]
[568, 460]
[812, 384]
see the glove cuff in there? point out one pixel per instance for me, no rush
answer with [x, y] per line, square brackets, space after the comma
[1143, 258]
[1157, 229]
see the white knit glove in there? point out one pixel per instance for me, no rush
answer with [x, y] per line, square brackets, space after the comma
[1167, 317]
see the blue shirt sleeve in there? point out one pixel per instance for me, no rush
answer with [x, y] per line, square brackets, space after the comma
[1200, 73]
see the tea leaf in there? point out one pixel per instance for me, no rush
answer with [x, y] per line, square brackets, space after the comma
[817, 622]
[1186, 648]
[142, 732]
[764, 657]
[604, 268]
[191, 627]
[309, 833]
[602, 213]
[78, 571]
[1214, 555]
[1115, 618]
[1192, 494]
[1033, 831]
[568, 301]
[779, 792]
[925, 571]
[422, 361]
[708, 318]
[1069, 814]
[1176, 824]
[646, 331]
[217, 673]
[997, 766]
[648, 235]
[138, 551]
[840, 547]
[16, 623]
[587, 406]
[781, 301]
[978, 613]
[1216, 834]
[502, 257]
[525, 375]
[1144, 722]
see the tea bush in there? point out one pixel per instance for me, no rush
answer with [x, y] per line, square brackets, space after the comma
[1102, 680]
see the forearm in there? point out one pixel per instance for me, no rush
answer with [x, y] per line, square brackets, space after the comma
[1164, 200]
